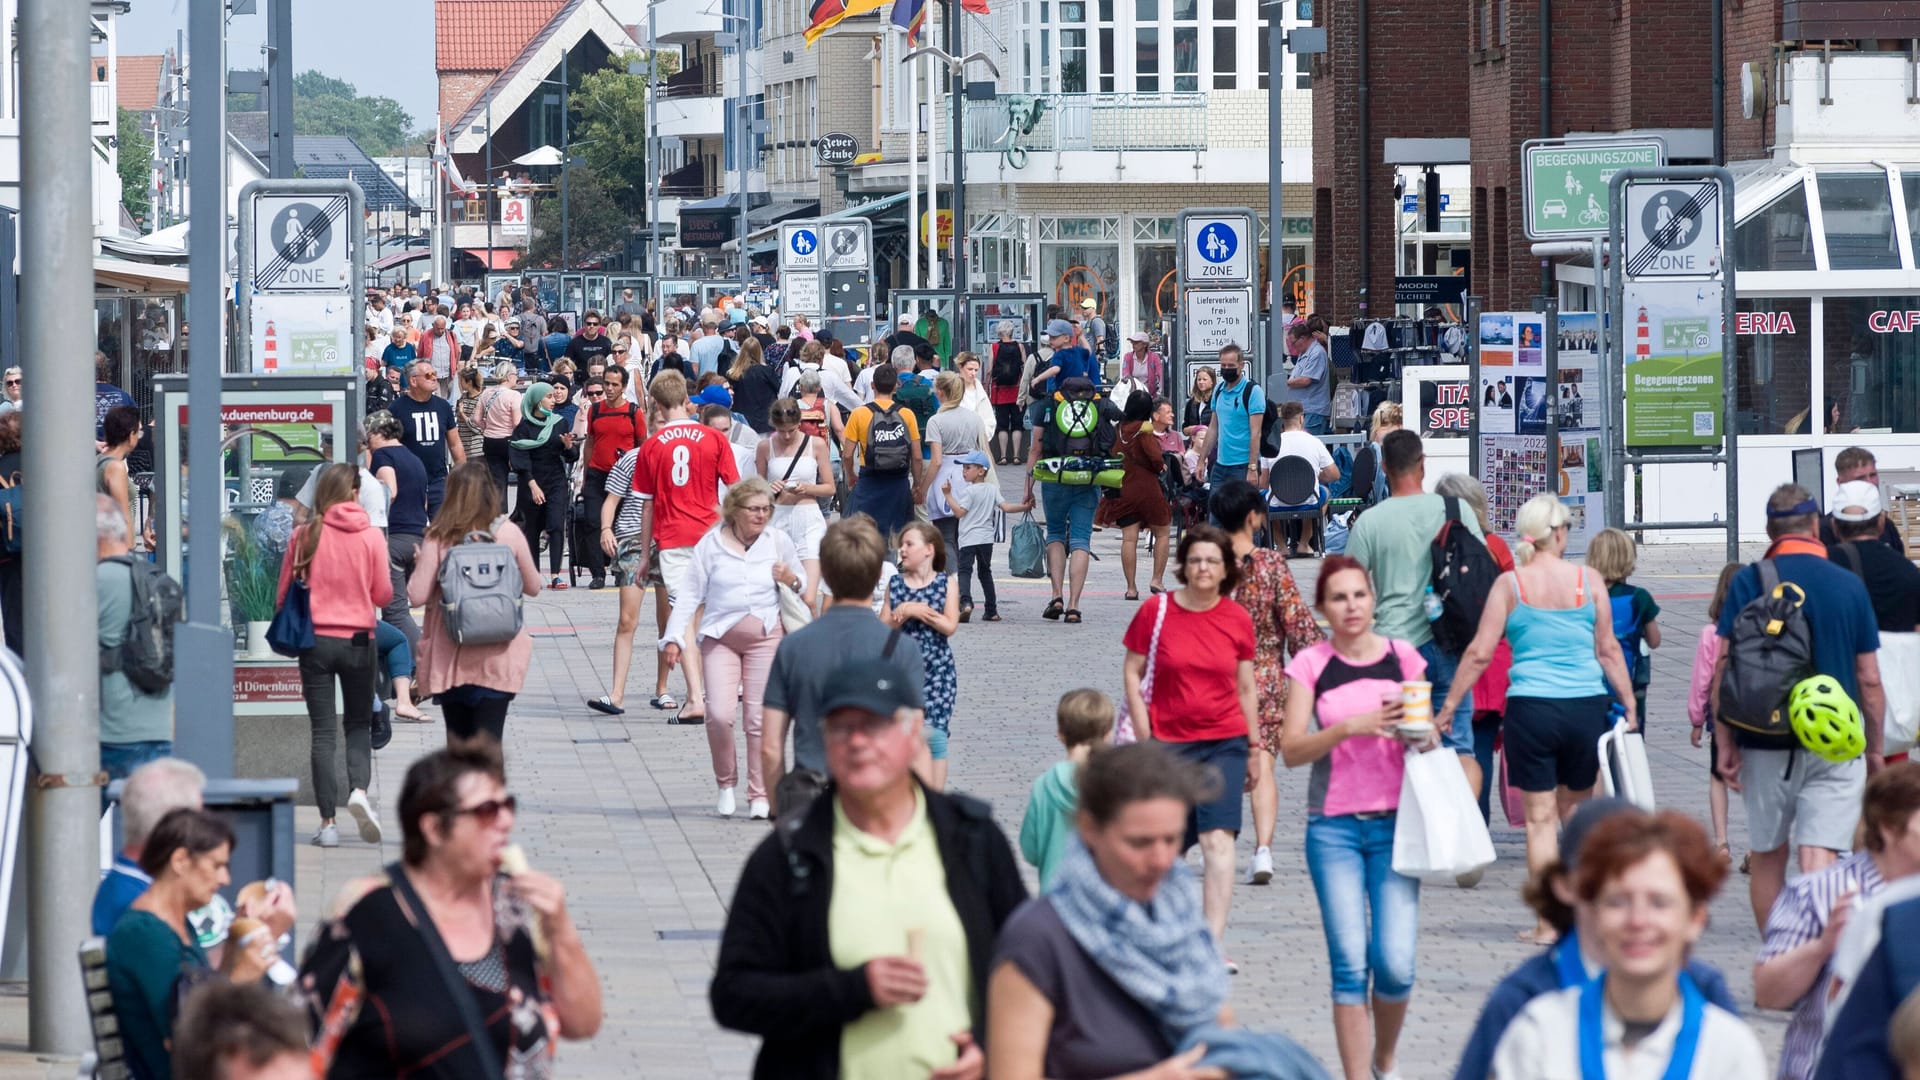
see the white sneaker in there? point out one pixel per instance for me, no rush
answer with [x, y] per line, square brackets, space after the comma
[1261, 872]
[724, 807]
[757, 809]
[364, 816]
[326, 836]
[1391, 1074]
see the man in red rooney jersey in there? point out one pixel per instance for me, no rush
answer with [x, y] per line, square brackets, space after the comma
[681, 468]
[614, 426]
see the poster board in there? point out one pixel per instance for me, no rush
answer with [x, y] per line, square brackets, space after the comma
[986, 311]
[1516, 406]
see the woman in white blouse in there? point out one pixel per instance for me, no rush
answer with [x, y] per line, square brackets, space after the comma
[736, 573]
[974, 395]
[1649, 878]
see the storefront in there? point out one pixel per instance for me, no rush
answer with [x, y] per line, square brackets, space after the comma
[1827, 329]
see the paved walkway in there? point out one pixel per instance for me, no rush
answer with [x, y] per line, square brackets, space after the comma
[621, 810]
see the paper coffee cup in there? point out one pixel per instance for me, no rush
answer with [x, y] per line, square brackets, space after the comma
[1416, 702]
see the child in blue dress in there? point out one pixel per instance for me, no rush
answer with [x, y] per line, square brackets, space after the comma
[924, 602]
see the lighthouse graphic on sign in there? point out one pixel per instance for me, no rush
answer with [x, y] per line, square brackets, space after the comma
[1642, 339]
[270, 350]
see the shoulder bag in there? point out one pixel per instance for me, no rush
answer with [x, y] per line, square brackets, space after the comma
[459, 993]
[794, 612]
[1123, 732]
[291, 631]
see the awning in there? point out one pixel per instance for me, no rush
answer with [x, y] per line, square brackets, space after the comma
[138, 277]
[779, 210]
[502, 257]
[388, 262]
[543, 155]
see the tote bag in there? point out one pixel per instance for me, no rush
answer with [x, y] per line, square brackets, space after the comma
[1624, 771]
[1438, 834]
[291, 631]
[1123, 732]
[1027, 556]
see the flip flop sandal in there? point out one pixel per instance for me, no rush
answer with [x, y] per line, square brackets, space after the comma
[1130, 596]
[1053, 609]
[991, 618]
[665, 701]
[682, 718]
[1073, 615]
[1156, 590]
[605, 705]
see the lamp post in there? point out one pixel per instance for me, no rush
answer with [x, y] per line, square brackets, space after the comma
[741, 129]
[566, 159]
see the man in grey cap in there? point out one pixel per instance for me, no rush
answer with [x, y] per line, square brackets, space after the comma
[927, 878]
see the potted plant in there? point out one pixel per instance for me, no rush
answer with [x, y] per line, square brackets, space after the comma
[253, 579]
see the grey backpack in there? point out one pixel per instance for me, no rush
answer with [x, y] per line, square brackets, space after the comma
[480, 590]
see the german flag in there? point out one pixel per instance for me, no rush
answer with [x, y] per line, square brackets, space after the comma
[826, 14]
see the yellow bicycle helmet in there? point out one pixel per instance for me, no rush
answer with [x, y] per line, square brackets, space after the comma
[1826, 720]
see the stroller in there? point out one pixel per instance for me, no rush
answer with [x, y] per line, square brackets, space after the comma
[1186, 495]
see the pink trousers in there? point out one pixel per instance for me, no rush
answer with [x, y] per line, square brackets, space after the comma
[738, 660]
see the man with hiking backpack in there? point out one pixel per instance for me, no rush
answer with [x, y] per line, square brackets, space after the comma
[1075, 437]
[138, 607]
[1791, 616]
[880, 451]
[1395, 541]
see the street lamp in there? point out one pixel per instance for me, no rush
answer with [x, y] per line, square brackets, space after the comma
[1303, 41]
[737, 41]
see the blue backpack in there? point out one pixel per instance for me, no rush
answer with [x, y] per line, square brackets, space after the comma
[1627, 627]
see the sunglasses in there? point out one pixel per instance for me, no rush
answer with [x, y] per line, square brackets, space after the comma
[591, 323]
[488, 812]
[13, 382]
[596, 393]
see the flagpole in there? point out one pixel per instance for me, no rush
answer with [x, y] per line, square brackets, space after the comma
[913, 174]
[933, 169]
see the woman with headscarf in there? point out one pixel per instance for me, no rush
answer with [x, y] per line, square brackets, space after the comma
[541, 449]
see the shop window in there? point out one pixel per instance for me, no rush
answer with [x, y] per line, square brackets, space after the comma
[1155, 289]
[1856, 211]
[1777, 237]
[1773, 348]
[1071, 273]
[1873, 362]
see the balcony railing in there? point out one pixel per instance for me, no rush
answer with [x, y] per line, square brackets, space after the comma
[102, 108]
[698, 81]
[1089, 122]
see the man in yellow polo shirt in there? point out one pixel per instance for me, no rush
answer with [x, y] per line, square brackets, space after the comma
[857, 944]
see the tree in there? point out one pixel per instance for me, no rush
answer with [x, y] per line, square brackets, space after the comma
[597, 225]
[609, 126]
[136, 166]
[324, 105]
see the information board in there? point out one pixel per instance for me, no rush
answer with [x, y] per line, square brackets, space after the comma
[1216, 318]
[1673, 359]
[1516, 407]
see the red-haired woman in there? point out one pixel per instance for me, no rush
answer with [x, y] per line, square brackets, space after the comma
[1649, 878]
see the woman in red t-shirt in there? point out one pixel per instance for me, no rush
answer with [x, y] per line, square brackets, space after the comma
[1201, 700]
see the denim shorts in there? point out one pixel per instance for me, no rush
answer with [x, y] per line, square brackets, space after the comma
[1229, 758]
[1440, 668]
[1069, 509]
[1037, 414]
[1351, 861]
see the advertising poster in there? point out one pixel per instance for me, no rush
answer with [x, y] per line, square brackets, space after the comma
[1673, 353]
[1516, 402]
[301, 334]
[1439, 399]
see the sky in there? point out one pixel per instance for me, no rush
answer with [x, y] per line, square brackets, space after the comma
[383, 47]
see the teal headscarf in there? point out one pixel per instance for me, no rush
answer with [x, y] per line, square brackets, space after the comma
[532, 404]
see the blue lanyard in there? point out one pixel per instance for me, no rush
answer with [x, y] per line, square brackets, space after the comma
[1567, 962]
[1693, 1008]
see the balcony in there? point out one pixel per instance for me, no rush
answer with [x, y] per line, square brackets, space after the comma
[692, 117]
[699, 81]
[679, 21]
[1096, 122]
[103, 109]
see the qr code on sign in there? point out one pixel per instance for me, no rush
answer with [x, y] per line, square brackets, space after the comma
[1703, 423]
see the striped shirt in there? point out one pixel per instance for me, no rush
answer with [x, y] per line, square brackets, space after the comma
[626, 521]
[1800, 915]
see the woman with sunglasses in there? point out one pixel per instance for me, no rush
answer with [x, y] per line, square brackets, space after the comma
[459, 914]
[801, 472]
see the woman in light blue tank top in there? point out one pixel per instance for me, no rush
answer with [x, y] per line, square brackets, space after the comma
[1567, 671]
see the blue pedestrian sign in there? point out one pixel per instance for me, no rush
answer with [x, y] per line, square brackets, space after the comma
[799, 246]
[1219, 249]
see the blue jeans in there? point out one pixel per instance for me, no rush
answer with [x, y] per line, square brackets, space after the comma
[887, 498]
[1069, 509]
[1351, 862]
[395, 655]
[119, 760]
[1037, 414]
[1318, 423]
[1440, 669]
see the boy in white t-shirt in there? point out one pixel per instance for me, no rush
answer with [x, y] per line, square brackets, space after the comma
[976, 500]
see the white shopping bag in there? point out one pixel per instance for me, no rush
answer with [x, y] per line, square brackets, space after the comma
[1624, 771]
[1438, 834]
[1900, 676]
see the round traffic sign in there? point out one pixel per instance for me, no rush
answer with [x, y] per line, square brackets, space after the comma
[1670, 220]
[838, 148]
[300, 232]
[804, 242]
[1217, 243]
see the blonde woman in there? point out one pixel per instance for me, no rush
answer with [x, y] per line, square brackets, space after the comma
[1556, 616]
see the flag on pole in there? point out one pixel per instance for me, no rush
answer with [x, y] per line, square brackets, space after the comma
[443, 156]
[826, 14]
[909, 16]
[978, 7]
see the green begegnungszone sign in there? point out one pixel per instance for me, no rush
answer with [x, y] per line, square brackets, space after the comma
[1566, 183]
[1672, 344]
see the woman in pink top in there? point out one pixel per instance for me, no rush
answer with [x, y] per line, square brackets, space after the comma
[499, 409]
[1341, 715]
[474, 683]
[1700, 708]
[343, 560]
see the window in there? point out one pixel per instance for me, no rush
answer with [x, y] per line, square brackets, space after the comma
[1073, 46]
[1856, 211]
[1873, 362]
[1774, 368]
[1778, 237]
[1264, 52]
[1186, 59]
[1105, 40]
[1224, 57]
[1146, 59]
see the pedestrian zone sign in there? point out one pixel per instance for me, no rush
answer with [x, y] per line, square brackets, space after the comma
[1219, 249]
[1672, 229]
[800, 246]
[1566, 183]
[300, 243]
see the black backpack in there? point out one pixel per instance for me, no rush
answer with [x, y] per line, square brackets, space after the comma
[1463, 576]
[1008, 359]
[1080, 424]
[889, 449]
[146, 656]
[1768, 653]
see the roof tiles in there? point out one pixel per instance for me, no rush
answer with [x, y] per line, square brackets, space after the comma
[486, 35]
